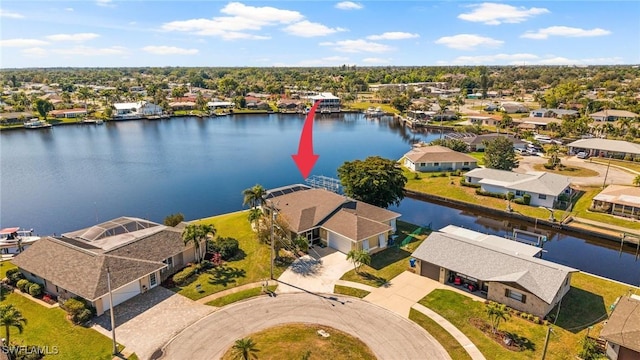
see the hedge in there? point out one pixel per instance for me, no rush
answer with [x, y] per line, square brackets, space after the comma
[183, 276]
[35, 290]
[465, 183]
[492, 194]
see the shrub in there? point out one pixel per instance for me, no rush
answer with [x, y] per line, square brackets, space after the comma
[23, 285]
[510, 195]
[524, 315]
[227, 247]
[35, 290]
[14, 276]
[628, 157]
[465, 183]
[491, 194]
[416, 176]
[526, 198]
[549, 166]
[183, 276]
[73, 306]
[82, 316]
[11, 272]
[536, 320]
[518, 201]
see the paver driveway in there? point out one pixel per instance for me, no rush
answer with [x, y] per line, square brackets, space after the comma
[387, 334]
[314, 274]
[148, 321]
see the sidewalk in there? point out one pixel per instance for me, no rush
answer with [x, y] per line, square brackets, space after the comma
[233, 290]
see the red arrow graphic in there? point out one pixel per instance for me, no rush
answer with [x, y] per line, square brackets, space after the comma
[305, 159]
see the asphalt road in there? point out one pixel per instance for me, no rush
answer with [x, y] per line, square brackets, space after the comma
[387, 334]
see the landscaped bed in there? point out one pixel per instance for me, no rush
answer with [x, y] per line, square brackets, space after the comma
[346, 290]
[240, 295]
[293, 341]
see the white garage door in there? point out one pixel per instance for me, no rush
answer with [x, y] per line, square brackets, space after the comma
[339, 242]
[121, 295]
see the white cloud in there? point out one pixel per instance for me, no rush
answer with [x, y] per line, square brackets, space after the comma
[355, 46]
[564, 31]
[91, 51]
[69, 9]
[169, 50]
[34, 52]
[375, 60]
[10, 14]
[349, 5]
[79, 37]
[559, 60]
[325, 61]
[22, 43]
[497, 59]
[105, 3]
[496, 14]
[468, 42]
[393, 35]
[243, 18]
[307, 28]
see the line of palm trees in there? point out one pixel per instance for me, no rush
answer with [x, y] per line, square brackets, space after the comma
[255, 197]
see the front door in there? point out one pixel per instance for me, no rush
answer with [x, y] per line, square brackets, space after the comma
[153, 281]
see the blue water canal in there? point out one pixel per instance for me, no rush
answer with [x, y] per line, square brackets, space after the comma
[70, 177]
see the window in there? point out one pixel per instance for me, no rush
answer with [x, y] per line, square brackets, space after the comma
[436, 164]
[519, 193]
[542, 196]
[515, 295]
[152, 280]
[466, 163]
[423, 164]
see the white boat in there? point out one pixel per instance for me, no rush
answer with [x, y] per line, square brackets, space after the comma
[36, 123]
[13, 240]
[371, 111]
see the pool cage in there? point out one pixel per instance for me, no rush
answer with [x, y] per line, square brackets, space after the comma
[325, 182]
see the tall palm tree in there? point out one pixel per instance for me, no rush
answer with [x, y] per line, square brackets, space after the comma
[496, 313]
[196, 234]
[359, 258]
[245, 349]
[11, 317]
[254, 196]
[254, 215]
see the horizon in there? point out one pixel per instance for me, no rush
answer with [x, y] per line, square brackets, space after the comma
[296, 34]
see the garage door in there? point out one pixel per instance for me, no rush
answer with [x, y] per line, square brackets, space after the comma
[121, 295]
[339, 242]
[429, 270]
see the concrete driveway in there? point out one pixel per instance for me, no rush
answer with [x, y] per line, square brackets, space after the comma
[314, 274]
[614, 176]
[388, 335]
[401, 292]
[148, 321]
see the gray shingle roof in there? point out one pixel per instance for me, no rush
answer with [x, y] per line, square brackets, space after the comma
[354, 227]
[436, 153]
[487, 262]
[623, 326]
[535, 182]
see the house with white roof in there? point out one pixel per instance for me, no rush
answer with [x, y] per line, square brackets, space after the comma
[613, 115]
[135, 110]
[605, 148]
[618, 200]
[328, 102]
[544, 188]
[553, 113]
[504, 270]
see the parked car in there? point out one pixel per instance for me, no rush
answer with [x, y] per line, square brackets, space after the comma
[582, 155]
[522, 152]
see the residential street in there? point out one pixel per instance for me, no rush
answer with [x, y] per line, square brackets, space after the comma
[387, 334]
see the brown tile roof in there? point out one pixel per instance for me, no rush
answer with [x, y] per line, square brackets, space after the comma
[353, 226]
[437, 153]
[305, 209]
[81, 272]
[623, 326]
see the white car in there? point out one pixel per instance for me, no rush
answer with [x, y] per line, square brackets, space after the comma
[582, 155]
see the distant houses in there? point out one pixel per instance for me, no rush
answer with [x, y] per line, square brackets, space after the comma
[553, 113]
[513, 108]
[605, 148]
[544, 189]
[477, 142]
[68, 113]
[135, 110]
[613, 115]
[437, 158]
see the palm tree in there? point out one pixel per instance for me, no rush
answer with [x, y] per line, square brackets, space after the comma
[84, 93]
[11, 317]
[636, 180]
[442, 104]
[496, 313]
[254, 196]
[359, 258]
[197, 233]
[254, 215]
[244, 349]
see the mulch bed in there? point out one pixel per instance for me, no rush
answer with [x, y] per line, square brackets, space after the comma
[498, 336]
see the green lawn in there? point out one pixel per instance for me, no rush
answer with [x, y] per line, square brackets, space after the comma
[388, 263]
[453, 347]
[50, 328]
[365, 105]
[568, 171]
[635, 166]
[240, 295]
[581, 209]
[253, 265]
[292, 341]
[346, 290]
[478, 156]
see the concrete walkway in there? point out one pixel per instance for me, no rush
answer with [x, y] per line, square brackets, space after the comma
[233, 290]
[470, 347]
[315, 275]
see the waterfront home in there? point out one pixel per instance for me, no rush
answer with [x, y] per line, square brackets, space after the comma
[622, 329]
[138, 253]
[536, 123]
[182, 105]
[484, 120]
[15, 117]
[545, 189]
[618, 200]
[503, 270]
[290, 104]
[135, 110]
[613, 115]
[68, 113]
[328, 102]
[477, 142]
[553, 113]
[212, 105]
[437, 158]
[324, 217]
[605, 148]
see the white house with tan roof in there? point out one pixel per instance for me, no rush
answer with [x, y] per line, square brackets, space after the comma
[613, 115]
[437, 158]
[332, 219]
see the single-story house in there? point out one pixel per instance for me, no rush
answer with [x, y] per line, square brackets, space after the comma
[622, 330]
[605, 148]
[212, 105]
[138, 253]
[613, 115]
[290, 104]
[553, 113]
[485, 120]
[536, 122]
[15, 117]
[437, 158]
[68, 113]
[136, 109]
[182, 105]
[544, 188]
[328, 101]
[618, 200]
[513, 107]
[332, 219]
[505, 270]
[476, 142]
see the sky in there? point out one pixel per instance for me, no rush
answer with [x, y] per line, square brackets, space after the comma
[111, 33]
